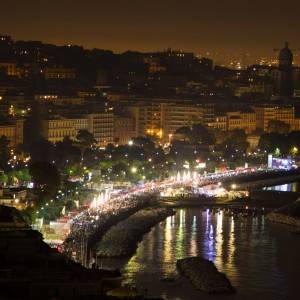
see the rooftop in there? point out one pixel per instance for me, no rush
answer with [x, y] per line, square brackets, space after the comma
[11, 219]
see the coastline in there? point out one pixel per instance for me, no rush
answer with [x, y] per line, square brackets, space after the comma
[288, 215]
[122, 239]
[89, 237]
[259, 202]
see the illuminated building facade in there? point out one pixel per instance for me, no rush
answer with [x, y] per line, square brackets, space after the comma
[163, 119]
[219, 123]
[59, 73]
[56, 130]
[124, 129]
[266, 113]
[179, 115]
[14, 132]
[59, 100]
[10, 68]
[148, 118]
[241, 120]
[101, 125]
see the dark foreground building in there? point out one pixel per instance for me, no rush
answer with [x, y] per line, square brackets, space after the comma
[30, 269]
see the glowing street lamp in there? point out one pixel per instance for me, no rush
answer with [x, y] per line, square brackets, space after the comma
[133, 170]
[294, 151]
[277, 152]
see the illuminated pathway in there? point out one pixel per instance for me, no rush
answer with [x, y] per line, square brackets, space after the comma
[108, 207]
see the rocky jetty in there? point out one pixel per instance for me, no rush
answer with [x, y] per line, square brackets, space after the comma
[289, 214]
[93, 224]
[204, 275]
[121, 240]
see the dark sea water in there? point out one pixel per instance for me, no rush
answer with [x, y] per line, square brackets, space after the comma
[261, 259]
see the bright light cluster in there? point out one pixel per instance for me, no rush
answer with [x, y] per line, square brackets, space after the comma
[99, 200]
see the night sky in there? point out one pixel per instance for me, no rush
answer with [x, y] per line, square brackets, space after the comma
[226, 26]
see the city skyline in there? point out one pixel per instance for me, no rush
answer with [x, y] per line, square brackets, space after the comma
[149, 150]
[225, 28]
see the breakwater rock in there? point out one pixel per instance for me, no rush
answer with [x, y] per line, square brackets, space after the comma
[121, 240]
[204, 275]
[289, 214]
[89, 226]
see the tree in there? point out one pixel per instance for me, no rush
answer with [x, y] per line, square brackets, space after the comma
[201, 135]
[20, 176]
[42, 150]
[185, 132]
[294, 140]
[4, 152]
[278, 127]
[66, 153]
[23, 175]
[144, 142]
[181, 151]
[3, 179]
[85, 140]
[236, 143]
[270, 142]
[196, 134]
[45, 177]
[120, 170]
[219, 136]
[33, 126]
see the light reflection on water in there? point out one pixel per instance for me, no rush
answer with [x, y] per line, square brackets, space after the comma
[256, 256]
[287, 187]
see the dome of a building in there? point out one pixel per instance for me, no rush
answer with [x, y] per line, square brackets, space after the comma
[286, 56]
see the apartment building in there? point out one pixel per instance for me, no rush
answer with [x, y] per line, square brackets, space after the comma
[59, 73]
[10, 68]
[124, 129]
[55, 130]
[161, 119]
[148, 118]
[266, 113]
[175, 116]
[101, 125]
[14, 132]
[219, 122]
[241, 120]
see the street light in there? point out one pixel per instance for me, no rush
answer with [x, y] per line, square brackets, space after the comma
[294, 151]
[133, 170]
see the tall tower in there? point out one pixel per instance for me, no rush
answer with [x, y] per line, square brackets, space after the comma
[285, 80]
